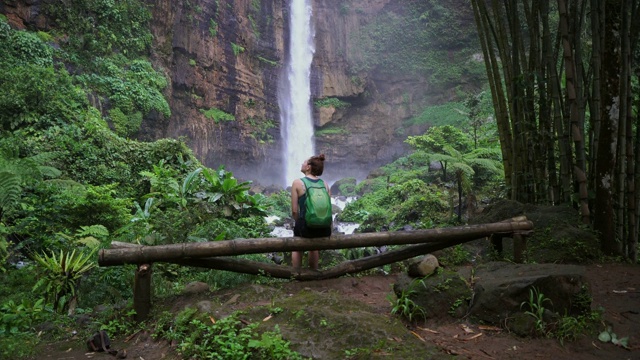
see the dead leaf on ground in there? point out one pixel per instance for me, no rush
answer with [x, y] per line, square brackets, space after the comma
[489, 328]
[418, 336]
[473, 337]
[466, 329]
[428, 330]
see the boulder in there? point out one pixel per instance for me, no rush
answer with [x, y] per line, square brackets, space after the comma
[422, 266]
[503, 289]
[344, 187]
[196, 287]
[442, 294]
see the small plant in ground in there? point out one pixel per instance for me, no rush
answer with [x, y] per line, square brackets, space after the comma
[199, 336]
[453, 256]
[610, 336]
[15, 318]
[122, 325]
[536, 309]
[405, 306]
[570, 327]
[458, 303]
[356, 353]
[271, 345]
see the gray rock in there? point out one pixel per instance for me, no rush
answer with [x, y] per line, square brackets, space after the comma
[504, 289]
[195, 287]
[204, 306]
[423, 266]
[442, 294]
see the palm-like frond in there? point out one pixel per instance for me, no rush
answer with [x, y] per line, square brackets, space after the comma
[10, 189]
[62, 272]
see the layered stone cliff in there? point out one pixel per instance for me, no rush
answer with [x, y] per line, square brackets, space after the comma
[224, 59]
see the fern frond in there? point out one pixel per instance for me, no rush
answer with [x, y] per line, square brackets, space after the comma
[9, 189]
[93, 230]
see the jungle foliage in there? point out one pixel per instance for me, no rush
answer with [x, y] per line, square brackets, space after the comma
[72, 180]
[418, 37]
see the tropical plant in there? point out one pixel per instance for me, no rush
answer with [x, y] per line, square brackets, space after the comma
[17, 172]
[90, 236]
[17, 317]
[199, 337]
[462, 165]
[405, 306]
[536, 309]
[61, 274]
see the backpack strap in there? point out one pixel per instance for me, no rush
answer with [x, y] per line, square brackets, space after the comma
[308, 183]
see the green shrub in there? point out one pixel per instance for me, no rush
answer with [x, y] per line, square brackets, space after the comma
[237, 49]
[227, 338]
[22, 48]
[131, 86]
[217, 115]
[213, 28]
[451, 113]
[331, 130]
[124, 125]
[412, 202]
[101, 27]
[27, 99]
[331, 102]
[279, 204]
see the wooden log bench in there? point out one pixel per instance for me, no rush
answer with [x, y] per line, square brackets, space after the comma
[212, 255]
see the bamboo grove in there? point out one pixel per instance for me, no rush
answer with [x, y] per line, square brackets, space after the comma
[564, 82]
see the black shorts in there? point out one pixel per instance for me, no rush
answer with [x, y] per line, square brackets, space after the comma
[301, 229]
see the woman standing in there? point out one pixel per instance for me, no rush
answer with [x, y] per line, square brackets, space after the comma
[312, 169]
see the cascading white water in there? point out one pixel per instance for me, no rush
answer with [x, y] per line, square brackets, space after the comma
[294, 93]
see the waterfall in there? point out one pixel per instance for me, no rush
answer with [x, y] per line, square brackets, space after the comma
[294, 93]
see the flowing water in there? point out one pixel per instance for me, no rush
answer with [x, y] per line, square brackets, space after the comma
[294, 99]
[294, 92]
[340, 227]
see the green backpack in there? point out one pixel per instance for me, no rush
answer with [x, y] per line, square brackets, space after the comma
[317, 204]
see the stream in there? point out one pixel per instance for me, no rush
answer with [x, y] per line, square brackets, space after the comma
[342, 227]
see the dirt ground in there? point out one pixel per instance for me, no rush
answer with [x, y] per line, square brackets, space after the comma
[615, 288]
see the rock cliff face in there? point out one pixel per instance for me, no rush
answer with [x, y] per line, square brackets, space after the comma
[224, 59]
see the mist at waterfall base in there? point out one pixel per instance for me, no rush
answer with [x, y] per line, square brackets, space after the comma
[344, 228]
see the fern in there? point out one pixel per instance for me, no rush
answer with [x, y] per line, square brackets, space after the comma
[91, 236]
[98, 231]
[9, 189]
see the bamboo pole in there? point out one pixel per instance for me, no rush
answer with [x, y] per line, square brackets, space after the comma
[180, 252]
[288, 272]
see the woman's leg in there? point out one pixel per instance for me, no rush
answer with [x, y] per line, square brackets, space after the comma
[296, 260]
[314, 257]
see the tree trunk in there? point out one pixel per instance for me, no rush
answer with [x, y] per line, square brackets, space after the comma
[606, 156]
[485, 34]
[150, 254]
[574, 115]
